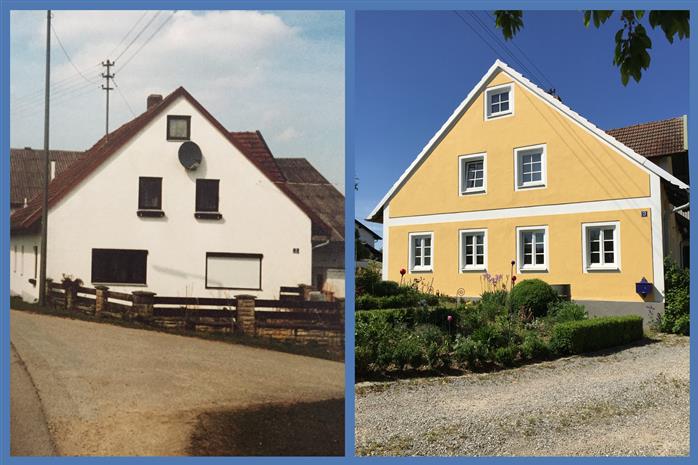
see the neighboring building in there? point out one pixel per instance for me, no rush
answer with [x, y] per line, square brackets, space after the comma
[665, 143]
[328, 203]
[367, 239]
[515, 175]
[27, 169]
[174, 203]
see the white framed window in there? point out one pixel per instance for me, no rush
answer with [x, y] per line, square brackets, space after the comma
[530, 167]
[532, 248]
[601, 244]
[499, 101]
[421, 251]
[473, 249]
[472, 174]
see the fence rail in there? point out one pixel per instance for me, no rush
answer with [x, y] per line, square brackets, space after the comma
[290, 319]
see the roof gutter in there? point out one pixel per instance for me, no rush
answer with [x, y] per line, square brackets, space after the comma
[321, 244]
[682, 207]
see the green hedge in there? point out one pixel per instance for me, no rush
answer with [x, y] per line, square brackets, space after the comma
[576, 337]
[406, 299]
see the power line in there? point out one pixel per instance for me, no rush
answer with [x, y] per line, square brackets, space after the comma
[496, 53]
[123, 97]
[67, 90]
[147, 41]
[67, 81]
[147, 25]
[129, 32]
[66, 97]
[65, 52]
[532, 62]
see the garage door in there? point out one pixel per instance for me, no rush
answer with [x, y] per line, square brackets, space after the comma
[233, 271]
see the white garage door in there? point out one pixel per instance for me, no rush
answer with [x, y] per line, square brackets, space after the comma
[233, 271]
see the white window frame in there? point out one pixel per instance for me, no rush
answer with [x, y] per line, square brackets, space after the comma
[420, 268]
[520, 267]
[498, 90]
[462, 267]
[586, 251]
[463, 161]
[518, 153]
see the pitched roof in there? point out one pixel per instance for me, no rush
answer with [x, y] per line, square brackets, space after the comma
[27, 168]
[360, 225]
[377, 213]
[320, 195]
[26, 218]
[256, 148]
[656, 138]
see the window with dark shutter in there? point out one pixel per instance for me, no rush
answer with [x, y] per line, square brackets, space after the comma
[207, 195]
[119, 266]
[149, 193]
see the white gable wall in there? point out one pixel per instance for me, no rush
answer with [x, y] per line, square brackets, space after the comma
[257, 217]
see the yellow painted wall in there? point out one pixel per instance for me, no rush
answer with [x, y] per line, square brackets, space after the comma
[580, 167]
[565, 261]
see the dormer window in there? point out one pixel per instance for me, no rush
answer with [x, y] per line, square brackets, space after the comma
[150, 197]
[499, 101]
[207, 199]
[178, 127]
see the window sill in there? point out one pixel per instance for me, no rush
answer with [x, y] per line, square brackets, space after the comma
[471, 269]
[178, 139]
[537, 185]
[591, 269]
[534, 269]
[119, 284]
[473, 191]
[208, 215]
[498, 115]
[150, 213]
[422, 269]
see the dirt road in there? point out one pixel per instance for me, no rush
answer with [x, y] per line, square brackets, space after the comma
[109, 390]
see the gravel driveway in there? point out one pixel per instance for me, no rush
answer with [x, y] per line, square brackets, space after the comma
[631, 402]
[109, 390]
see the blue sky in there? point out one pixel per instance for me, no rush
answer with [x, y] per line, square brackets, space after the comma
[279, 72]
[414, 68]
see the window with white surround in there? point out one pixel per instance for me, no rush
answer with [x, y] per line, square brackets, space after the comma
[532, 248]
[421, 251]
[499, 101]
[531, 170]
[473, 173]
[473, 250]
[601, 243]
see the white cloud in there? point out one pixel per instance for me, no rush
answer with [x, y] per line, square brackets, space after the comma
[280, 73]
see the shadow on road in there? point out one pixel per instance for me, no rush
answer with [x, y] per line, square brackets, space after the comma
[305, 429]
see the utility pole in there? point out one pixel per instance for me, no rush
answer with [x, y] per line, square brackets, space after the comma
[44, 206]
[108, 64]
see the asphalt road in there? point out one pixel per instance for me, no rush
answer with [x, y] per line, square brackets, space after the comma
[109, 390]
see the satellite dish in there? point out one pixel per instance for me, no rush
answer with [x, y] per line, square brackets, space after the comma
[190, 155]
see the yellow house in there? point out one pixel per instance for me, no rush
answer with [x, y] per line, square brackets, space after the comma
[514, 175]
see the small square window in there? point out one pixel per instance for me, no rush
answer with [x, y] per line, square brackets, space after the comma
[532, 248]
[530, 167]
[421, 251]
[499, 101]
[149, 193]
[178, 127]
[601, 246]
[473, 248]
[207, 195]
[473, 173]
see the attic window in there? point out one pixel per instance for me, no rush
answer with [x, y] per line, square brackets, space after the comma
[178, 127]
[499, 101]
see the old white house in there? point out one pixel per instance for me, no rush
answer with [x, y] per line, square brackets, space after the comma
[174, 203]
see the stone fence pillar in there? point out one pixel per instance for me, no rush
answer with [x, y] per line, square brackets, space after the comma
[48, 293]
[71, 294]
[101, 299]
[306, 291]
[245, 314]
[143, 304]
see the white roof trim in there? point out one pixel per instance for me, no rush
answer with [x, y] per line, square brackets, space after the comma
[519, 78]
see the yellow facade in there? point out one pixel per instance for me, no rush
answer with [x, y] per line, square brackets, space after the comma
[580, 166]
[565, 256]
[580, 169]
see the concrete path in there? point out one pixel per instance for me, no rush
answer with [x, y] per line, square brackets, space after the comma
[109, 390]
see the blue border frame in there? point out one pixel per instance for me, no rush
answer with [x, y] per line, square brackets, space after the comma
[349, 6]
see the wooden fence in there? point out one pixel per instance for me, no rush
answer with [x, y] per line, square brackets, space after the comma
[288, 319]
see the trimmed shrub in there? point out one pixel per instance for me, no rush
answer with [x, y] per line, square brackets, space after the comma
[407, 352]
[406, 298]
[533, 347]
[490, 336]
[567, 311]
[434, 345]
[506, 356]
[576, 337]
[467, 350]
[532, 295]
[386, 288]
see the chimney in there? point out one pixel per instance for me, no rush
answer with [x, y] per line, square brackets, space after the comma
[153, 99]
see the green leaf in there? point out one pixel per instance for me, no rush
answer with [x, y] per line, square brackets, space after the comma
[509, 21]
